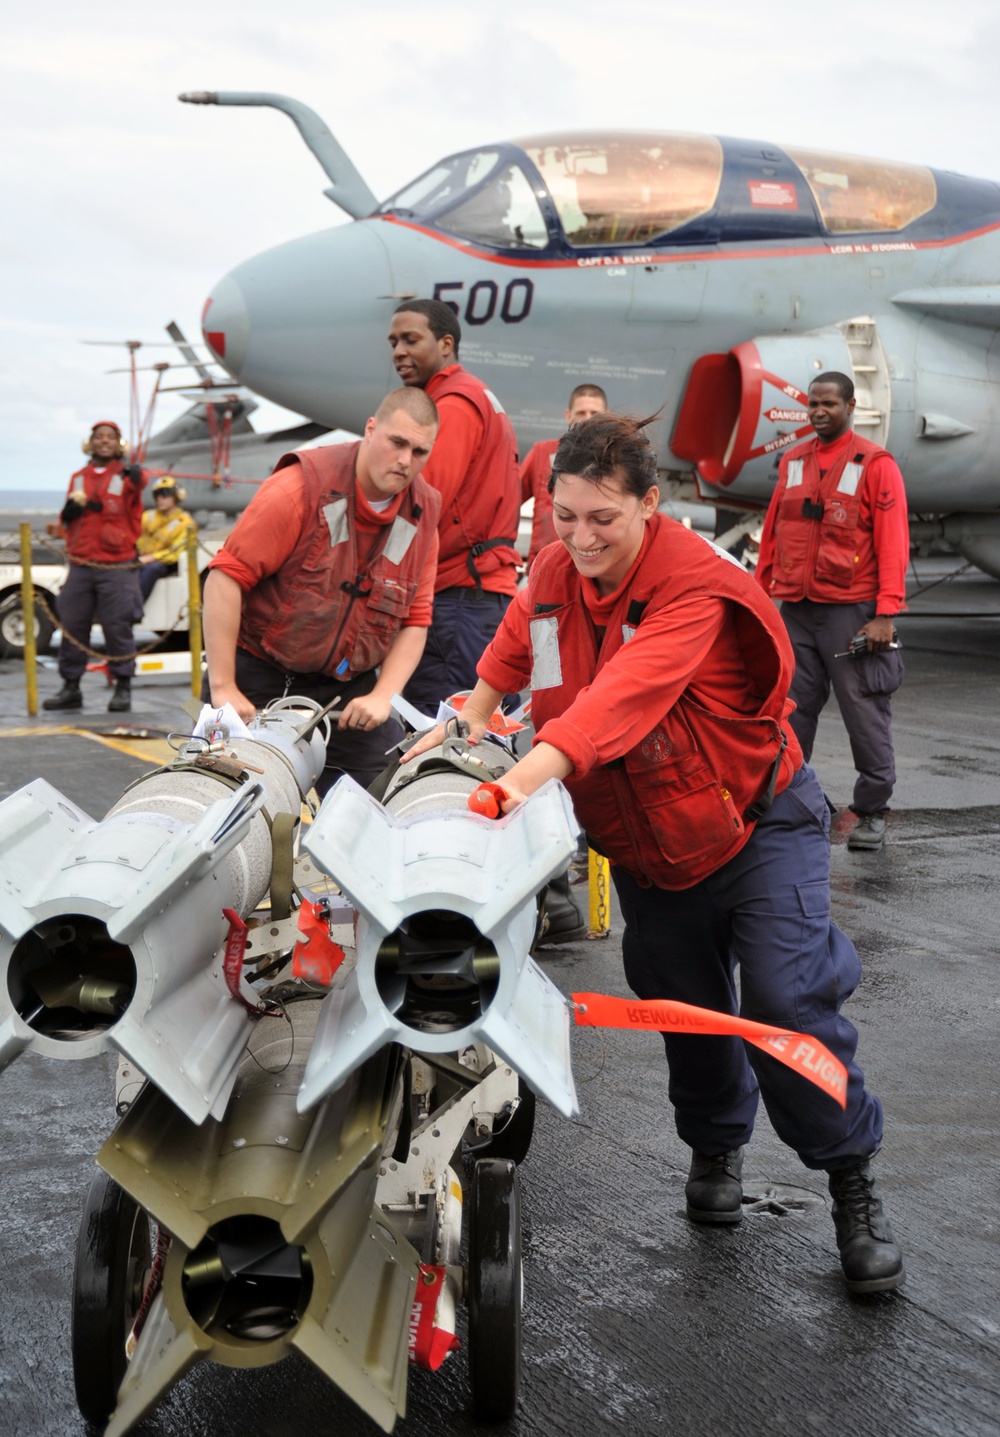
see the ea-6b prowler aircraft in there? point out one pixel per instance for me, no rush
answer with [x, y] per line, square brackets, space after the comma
[707, 278]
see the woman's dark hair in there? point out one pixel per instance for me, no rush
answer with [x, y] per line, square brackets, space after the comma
[606, 445]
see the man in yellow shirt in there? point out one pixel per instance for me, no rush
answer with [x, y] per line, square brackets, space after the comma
[164, 534]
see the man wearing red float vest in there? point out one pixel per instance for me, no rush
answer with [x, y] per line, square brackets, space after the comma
[324, 587]
[536, 468]
[474, 469]
[101, 518]
[834, 551]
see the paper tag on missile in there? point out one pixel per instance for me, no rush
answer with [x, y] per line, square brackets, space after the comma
[806, 1055]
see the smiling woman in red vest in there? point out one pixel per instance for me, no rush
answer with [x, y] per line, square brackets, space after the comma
[659, 675]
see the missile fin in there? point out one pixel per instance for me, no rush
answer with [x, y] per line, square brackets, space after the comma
[161, 1358]
[188, 856]
[532, 1033]
[347, 1033]
[482, 868]
[362, 1343]
[38, 826]
[15, 1036]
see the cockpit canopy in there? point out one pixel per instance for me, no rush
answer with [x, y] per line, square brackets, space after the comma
[600, 189]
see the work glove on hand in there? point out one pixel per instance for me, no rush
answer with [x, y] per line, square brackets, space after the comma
[94, 506]
[133, 473]
[72, 509]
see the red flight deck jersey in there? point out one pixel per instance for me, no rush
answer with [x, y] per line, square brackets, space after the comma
[669, 697]
[309, 531]
[536, 471]
[836, 529]
[109, 534]
[473, 466]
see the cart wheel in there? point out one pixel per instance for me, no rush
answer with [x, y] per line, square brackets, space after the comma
[113, 1261]
[495, 1289]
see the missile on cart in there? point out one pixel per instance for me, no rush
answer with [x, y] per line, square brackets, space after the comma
[112, 934]
[447, 910]
[270, 1236]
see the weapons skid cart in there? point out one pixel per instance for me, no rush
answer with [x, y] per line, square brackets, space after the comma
[289, 1178]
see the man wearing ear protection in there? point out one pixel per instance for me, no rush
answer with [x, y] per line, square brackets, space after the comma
[101, 518]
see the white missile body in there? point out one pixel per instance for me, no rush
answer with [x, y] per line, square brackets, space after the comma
[112, 933]
[447, 905]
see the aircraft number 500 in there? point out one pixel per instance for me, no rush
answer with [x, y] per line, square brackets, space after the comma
[483, 297]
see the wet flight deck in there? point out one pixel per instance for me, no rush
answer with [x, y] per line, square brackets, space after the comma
[635, 1320]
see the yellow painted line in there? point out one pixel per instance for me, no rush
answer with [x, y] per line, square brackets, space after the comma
[150, 750]
[36, 732]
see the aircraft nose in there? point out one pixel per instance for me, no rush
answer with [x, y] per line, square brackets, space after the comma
[225, 324]
[305, 324]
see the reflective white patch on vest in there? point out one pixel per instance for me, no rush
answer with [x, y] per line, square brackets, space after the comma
[628, 632]
[722, 553]
[335, 514]
[546, 665]
[795, 467]
[115, 484]
[850, 479]
[497, 406]
[401, 536]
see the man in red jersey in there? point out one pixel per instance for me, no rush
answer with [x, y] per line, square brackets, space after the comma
[474, 469]
[834, 550]
[101, 518]
[324, 587]
[536, 468]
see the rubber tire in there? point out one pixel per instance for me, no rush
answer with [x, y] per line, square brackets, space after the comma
[495, 1289]
[113, 1260]
[12, 629]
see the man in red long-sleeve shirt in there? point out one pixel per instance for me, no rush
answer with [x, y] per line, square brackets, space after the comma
[324, 587]
[834, 551]
[474, 469]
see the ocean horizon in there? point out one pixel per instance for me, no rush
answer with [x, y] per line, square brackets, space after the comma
[31, 501]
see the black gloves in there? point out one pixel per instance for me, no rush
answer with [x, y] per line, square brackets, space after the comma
[71, 511]
[94, 506]
[133, 473]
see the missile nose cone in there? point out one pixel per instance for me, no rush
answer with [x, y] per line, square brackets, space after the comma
[225, 324]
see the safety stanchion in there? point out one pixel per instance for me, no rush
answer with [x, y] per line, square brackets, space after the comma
[599, 880]
[28, 611]
[194, 611]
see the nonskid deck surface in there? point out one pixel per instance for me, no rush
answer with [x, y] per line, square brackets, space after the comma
[634, 1318]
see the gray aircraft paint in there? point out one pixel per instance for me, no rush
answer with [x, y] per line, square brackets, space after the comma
[916, 318]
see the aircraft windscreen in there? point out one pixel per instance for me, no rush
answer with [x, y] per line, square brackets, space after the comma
[627, 188]
[449, 181]
[503, 212]
[863, 195]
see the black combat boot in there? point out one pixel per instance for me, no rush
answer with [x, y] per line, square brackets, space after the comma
[68, 697]
[714, 1189]
[121, 699]
[561, 918]
[869, 1255]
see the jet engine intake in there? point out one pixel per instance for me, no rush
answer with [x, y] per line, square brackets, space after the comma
[741, 409]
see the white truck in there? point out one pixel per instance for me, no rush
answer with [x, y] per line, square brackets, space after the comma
[165, 610]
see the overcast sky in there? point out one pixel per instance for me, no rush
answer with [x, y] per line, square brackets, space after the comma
[122, 208]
